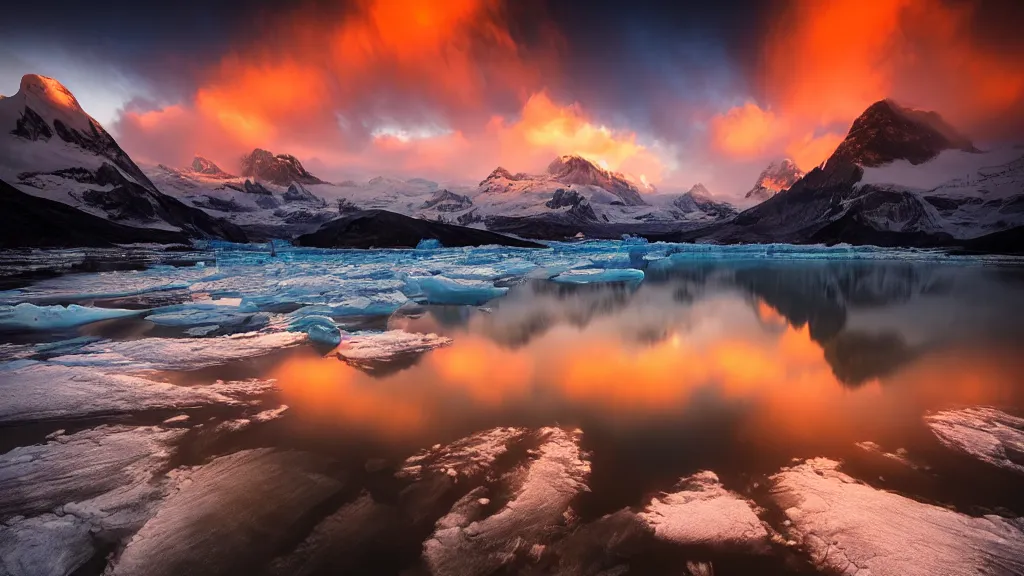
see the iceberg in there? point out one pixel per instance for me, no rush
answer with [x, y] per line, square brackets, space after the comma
[595, 275]
[429, 244]
[320, 329]
[442, 290]
[203, 313]
[27, 316]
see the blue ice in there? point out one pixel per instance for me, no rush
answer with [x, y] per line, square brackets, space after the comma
[27, 316]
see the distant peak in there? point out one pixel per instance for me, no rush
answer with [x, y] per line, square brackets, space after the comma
[49, 90]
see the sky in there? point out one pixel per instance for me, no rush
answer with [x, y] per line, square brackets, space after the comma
[677, 93]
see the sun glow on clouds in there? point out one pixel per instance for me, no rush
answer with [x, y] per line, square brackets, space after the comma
[440, 87]
[826, 62]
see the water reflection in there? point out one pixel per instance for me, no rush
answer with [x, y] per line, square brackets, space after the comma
[795, 357]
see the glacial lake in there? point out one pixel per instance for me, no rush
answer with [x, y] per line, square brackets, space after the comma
[593, 408]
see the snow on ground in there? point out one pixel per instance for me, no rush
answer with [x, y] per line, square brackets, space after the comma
[41, 390]
[465, 457]
[985, 433]
[181, 354]
[216, 512]
[384, 345]
[702, 512]
[27, 316]
[852, 528]
[540, 504]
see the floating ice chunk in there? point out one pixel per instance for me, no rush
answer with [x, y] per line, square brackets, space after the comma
[899, 456]
[180, 418]
[468, 456]
[41, 390]
[239, 424]
[384, 345]
[429, 244]
[80, 467]
[209, 523]
[27, 316]
[852, 528]
[985, 433]
[594, 275]
[178, 353]
[546, 486]
[703, 513]
[209, 313]
[320, 329]
[441, 290]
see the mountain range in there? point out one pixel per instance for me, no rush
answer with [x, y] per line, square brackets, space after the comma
[900, 177]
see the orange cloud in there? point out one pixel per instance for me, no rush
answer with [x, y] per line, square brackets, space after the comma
[824, 63]
[746, 131]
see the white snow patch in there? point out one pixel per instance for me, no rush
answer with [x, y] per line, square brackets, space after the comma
[986, 433]
[702, 512]
[855, 529]
[948, 165]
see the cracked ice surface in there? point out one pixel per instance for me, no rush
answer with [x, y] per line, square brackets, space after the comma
[177, 353]
[384, 345]
[985, 433]
[539, 505]
[702, 512]
[465, 457]
[80, 485]
[215, 512]
[854, 529]
[42, 390]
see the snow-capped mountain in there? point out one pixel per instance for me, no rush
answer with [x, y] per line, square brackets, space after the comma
[52, 149]
[900, 177]
[206, 167]
[778, 176]
[282, 169]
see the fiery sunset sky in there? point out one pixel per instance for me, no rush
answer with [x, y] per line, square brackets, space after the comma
[450, 89]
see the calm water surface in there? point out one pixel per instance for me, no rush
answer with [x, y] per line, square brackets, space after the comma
[738, 367]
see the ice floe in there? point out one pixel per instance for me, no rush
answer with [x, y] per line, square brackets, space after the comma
[60, 500]
[239, 424]
[215, 513]
[211, 313]
[365, 346]
[465, 457]
[178, 353]
[986, 433]
[596, 275]
[702, 512]
[27, 316]
[851, 528]
[900, 455]
[545, 487]
[42, 390]
[320, 329]
[441, 290]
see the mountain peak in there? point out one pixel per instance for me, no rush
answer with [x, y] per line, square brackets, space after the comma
[280, 169]
[778, 176]
[49, 100]
[699, 190]
[206, 167]
[575, 169]
[887, 131]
